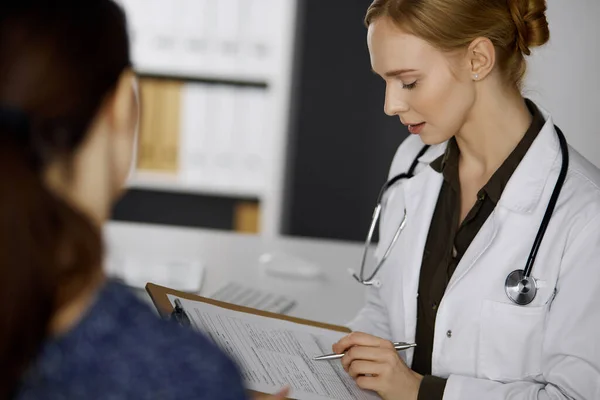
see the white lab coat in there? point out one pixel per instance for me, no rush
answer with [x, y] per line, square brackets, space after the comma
[488, 347]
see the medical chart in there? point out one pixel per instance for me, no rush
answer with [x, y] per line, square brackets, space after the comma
[248, 296]
[273, 353]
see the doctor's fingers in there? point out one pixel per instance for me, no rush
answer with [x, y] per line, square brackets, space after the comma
[281, 395]
[360, 339]
[369, 368]
[367, 382]
[373, 354]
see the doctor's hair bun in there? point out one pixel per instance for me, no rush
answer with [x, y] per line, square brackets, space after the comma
[513, 26]
[531, 24]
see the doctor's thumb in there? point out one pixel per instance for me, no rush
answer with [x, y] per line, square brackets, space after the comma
[282, 394]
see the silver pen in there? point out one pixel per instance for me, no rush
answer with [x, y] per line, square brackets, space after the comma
[335, 356]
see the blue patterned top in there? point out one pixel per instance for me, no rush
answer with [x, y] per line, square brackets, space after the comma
[122, 350]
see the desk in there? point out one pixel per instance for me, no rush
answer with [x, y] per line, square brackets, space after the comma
[334, 298]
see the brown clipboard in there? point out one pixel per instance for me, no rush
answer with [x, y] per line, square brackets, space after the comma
[158, 294]
[159, 297]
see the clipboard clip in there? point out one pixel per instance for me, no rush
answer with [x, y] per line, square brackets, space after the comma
[179, 314]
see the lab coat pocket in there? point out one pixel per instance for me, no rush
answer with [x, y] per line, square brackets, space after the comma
[510, 341]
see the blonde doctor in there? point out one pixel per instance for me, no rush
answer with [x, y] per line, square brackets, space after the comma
[493, 267]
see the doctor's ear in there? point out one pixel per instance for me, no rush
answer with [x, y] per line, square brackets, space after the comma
[481, 57]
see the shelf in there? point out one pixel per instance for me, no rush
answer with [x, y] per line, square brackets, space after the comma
[218, 45]
[174, 183]
[195, 75]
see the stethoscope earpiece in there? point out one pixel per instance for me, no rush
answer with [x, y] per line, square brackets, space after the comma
[373, 282]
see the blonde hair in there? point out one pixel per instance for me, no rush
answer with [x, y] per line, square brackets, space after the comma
[513, 26]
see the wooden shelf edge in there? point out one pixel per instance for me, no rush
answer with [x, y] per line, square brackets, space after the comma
[172, 183]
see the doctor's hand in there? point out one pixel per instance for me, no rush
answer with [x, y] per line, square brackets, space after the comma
[281, 395]
[375, 365]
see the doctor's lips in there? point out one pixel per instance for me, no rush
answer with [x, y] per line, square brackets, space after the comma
[416, 128]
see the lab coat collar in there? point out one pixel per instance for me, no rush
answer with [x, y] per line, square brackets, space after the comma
[433, 153]
[524, 190]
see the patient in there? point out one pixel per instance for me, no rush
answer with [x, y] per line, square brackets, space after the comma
[67, 120]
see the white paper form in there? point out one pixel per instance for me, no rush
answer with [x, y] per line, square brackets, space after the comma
[274, 353]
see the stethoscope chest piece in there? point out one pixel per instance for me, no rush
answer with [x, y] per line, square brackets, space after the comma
[520, 288]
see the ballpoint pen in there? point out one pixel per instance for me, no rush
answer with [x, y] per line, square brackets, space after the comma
[334, 356]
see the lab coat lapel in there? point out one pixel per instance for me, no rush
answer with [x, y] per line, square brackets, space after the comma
[521, 195]
[478, 246]
[421, 194]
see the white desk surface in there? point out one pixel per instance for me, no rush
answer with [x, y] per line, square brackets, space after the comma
[335, 297]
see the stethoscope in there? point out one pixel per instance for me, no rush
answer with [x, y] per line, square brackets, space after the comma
[520, 286]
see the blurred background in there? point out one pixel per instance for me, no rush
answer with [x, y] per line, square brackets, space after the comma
[262, 116]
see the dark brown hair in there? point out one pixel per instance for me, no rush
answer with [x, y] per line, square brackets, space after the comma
[513, 26]
[59, 59]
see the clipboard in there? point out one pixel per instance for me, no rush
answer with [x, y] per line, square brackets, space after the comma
[159, 296]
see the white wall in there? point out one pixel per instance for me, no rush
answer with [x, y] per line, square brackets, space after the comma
[564, 75]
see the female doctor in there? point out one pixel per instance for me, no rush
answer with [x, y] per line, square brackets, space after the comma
[489, 255]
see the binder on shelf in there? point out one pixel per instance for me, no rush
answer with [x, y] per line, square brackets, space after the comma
[193, 144]
[227, 35]
[159, 126]
[223, 138]
[222, 39]
[222, 159]
[165, 39]
[251, 136]
[153, 43]
[261, 34]
[146, 145]
[193, 33]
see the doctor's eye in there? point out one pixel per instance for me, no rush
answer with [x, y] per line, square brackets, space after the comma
[409, 86]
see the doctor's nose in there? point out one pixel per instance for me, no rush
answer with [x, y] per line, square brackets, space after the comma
[394, 103]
